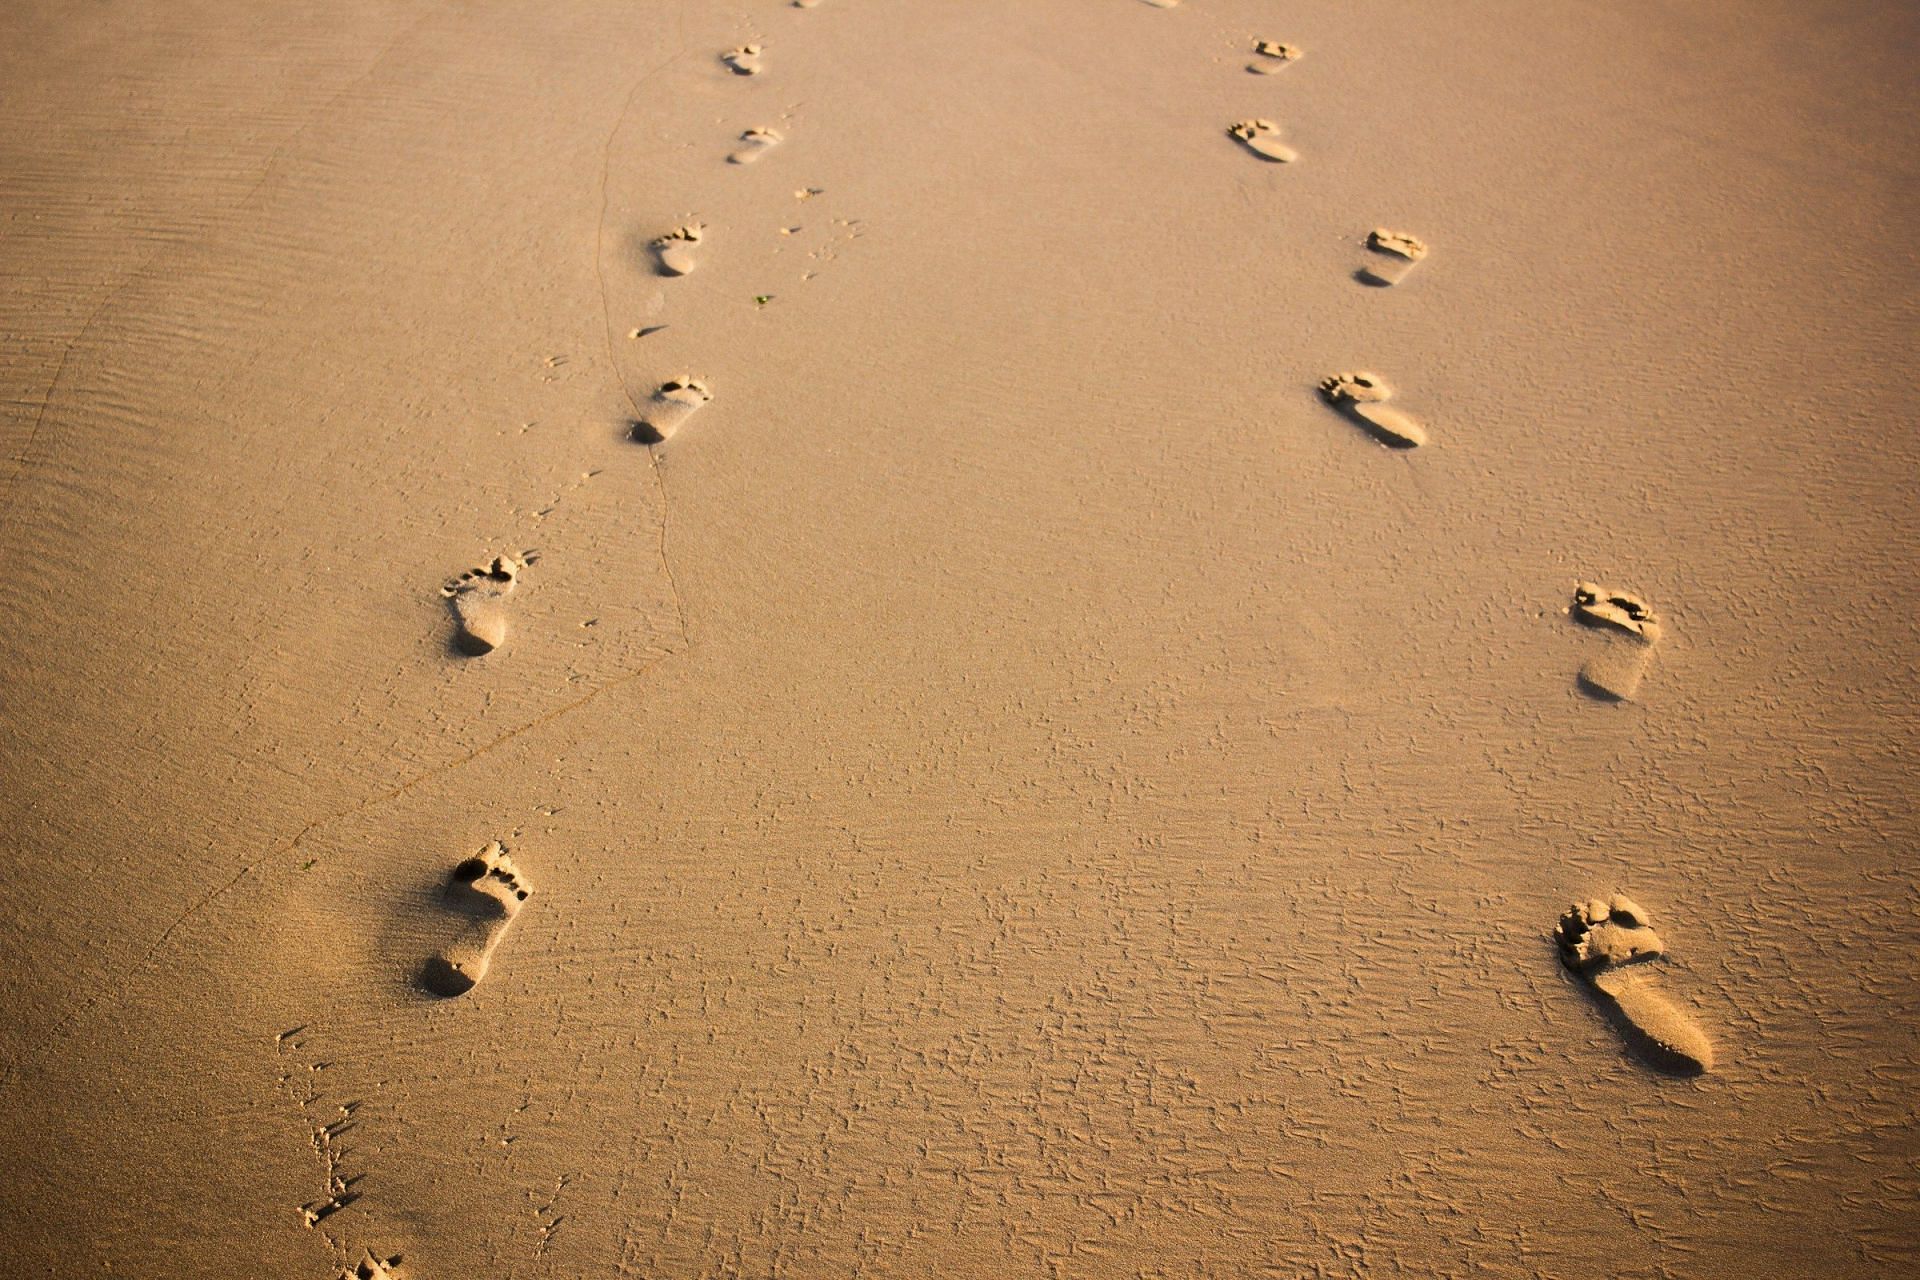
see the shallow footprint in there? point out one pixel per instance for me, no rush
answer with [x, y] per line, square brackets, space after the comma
[487, 891]
[674, 250]
[1262, 137]
[744, 61]
[1606, 944]
[1399, 253]
[478, 599]
[677, 400]
[1270, 56]
[1363, 397]
[753, 144]
[1633, 631]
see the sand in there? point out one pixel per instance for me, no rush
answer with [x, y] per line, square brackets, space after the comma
[1008, 779]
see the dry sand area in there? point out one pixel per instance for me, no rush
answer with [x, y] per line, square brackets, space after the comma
[878, 638]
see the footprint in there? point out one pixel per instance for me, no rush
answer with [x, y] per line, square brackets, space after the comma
[754, 143]
[806, 4]
[1633, 632]
[675, 249]
[1262, 137]
[677, 400]
[1607, 943]
[744, 61]
[1271, 56]
[1362, 397]
[488, 892]
[478, 598]
[1399, 254]
[1164, 4]
[374, 1267]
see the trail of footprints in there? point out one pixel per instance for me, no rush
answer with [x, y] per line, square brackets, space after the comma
[1607, 944]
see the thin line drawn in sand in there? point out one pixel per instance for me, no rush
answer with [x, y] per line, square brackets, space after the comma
[676, 400]
[744, 61]
[478, 599]
[674, 251]
[755, 143]
[1632, 633]
[1396, 254]
[487, 891]
[1262, 137]
[1362, 398]
[1608, 944]
[1270, 56]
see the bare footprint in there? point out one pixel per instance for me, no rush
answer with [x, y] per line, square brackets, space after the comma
[674, 250]
[744, 61]
[374, 1267]
[1270, 56]
[478, 599]
[753, 144]
[677, 400]
[1398, 254]
[1607, 944]
[1632, 632]
[1262, 137]
[1363, 397]
[487, 892]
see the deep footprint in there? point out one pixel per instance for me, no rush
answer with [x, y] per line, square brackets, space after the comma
[478, 599]
[755, 143]
[1398, 254]
[487, 891]
[1632, 632]
[1262, 137]
[374, 1267]
[677, 400]
[1270, 56]
[744, 61]
[1607, 944]
[1363, 397]
[675, 250]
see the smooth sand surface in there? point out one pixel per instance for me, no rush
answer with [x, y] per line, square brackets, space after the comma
[1015, 784]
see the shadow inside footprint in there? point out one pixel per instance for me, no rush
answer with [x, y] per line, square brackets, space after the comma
[1361, 398]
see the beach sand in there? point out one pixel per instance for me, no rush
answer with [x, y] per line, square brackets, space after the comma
[912, 739]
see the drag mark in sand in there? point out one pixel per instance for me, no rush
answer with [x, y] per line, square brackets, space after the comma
[1607, 943]
[486, 891]
[1362, 397]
